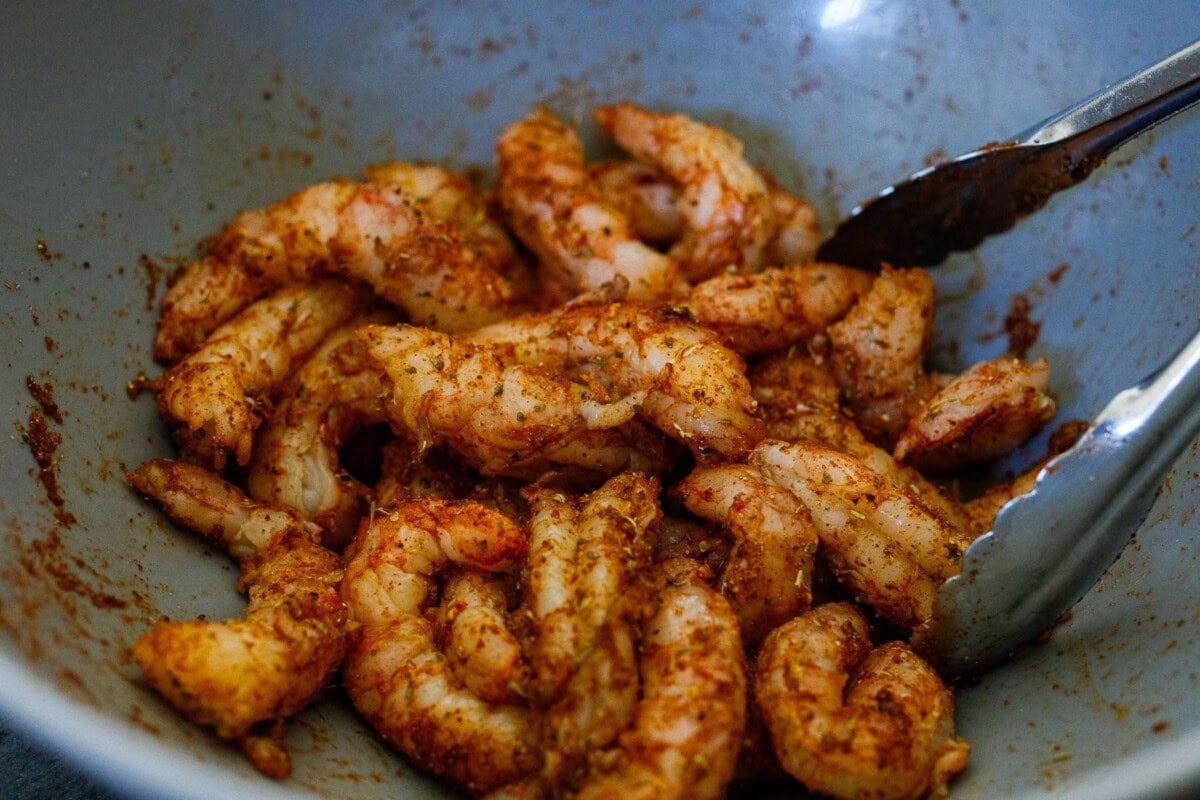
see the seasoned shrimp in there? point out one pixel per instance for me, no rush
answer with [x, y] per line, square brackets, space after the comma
[439, 272]
[294, 463]
[878, 351]
[395, 675]
[984, 413]
[730, 217]
[504, 419]
[687, 727]
[651, 202]
[852, 722]
[776, 307]
[879, 539]
[212, 397]
[583, 553]
[691, 386]
[472, 622]
[562, 217]
[647, 198]
[273, 662]
[799, 401]
[768, 575]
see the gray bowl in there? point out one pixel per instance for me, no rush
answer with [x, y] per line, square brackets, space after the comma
[130, 131]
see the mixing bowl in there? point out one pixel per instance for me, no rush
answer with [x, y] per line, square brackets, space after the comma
[129, 131]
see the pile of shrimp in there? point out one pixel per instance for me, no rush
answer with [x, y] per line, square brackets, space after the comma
[594, 485]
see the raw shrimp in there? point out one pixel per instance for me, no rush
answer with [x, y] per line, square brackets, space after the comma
[768, 575]
[651, 203]
[644, 195]
[212, 398]
[730, 217]
[294, 463]
[583, 553]
[984, 413]
[688, 723]
[273, 662]
[563, 218]
[776, 307]
[853, 722]
[878, 351]
[504, 419]
[394, 673]
[472, 623]
[880, 540]
[690, 385]
[798, 400]
[441, 272]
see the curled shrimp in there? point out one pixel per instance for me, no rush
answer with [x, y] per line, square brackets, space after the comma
[294, 462]
[799, 402]
[854, 722]
[584, 551]
[984, 413]
[686, 729]
[273, 662]
[768, 574]
[691, 386]
[504, 419]
[441, 272]
[562, 217]
[880, 540]
[472, 622]
[726, 203]
[772, 309]
[395, 675]
[212, 397]
[651, 202]
[878, 351]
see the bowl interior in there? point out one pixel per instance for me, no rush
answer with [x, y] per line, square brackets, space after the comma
[135, 130]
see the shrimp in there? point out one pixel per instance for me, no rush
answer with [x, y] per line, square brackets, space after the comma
[273, 662]
[690, 386]
[504, 419]
[799, 402]
[687, 727]
[726, 203]
[294, 463]
[212, 397]
[583, 553]
[768, 575]
[852, 722]
[772, 309]
[983, 414]
[644, 195]
[878, 350]
[880, 540]
[405, 474]
[395, 675]
[563, 218]
[440, 272]
[481, 650]
[651, 203]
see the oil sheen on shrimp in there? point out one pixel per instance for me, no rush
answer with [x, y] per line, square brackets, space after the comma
[281, 654]
[212, 398]
[772, 309]
[691, 386]
[983, 414]
[767, 576]
[726, 203]
[294, 463]
[854, 722]
[880, 540]
[558, 213]
[394, 673]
